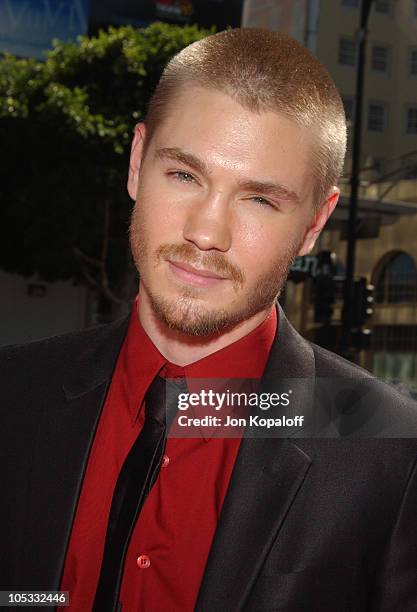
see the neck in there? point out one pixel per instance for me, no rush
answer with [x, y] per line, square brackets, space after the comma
[181, 349]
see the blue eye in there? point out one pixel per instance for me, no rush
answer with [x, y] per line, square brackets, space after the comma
[262, 201]
[185, 177]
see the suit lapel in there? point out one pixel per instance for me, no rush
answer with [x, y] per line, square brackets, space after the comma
[267, 476]
[65, 433]
[265, 481]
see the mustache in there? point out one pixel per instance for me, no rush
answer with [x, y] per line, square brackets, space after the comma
[212, 261]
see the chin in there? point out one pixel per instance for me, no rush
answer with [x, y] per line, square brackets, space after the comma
[189, 316]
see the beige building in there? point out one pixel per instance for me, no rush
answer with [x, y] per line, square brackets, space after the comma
[388, 194]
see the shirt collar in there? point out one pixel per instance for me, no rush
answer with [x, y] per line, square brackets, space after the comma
[142, 361]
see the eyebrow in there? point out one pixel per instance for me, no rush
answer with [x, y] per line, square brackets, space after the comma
[178, 155]
[273, 189]
[276, 190]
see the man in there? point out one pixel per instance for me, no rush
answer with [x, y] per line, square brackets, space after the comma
[234, 173]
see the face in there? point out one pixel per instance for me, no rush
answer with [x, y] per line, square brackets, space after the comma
[223, 205]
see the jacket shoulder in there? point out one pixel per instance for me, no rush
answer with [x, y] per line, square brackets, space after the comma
[29, 367]
[61, 342]
[331, 364]
[367, 406]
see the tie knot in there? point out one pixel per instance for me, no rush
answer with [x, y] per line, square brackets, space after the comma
[161, 400]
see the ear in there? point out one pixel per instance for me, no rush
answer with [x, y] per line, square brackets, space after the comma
[136, 160]
[319, 221]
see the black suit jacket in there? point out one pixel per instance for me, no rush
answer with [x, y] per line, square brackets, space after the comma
[308, 524]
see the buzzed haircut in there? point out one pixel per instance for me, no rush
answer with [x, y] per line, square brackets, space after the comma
[263, 71]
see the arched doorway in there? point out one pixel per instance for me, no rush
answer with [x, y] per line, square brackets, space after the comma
[396, 279]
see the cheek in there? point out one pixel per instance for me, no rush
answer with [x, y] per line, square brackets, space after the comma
[253, 232]
[157, 218]
[269, 239]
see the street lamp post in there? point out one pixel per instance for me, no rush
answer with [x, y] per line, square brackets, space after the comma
[347, 318]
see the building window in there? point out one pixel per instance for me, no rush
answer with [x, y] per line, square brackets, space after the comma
[379, 58]
[411, 127]
[412, 58]
[352, 3]
[347, 52]
[397, 280]
[376, 117]
[383, 6]
[349, 107]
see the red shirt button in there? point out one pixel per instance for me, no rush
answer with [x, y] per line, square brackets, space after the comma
[143, 561]
[165, 461]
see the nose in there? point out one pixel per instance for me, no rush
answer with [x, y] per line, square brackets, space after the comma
[208, 224]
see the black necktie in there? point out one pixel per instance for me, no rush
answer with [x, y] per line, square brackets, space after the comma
[138, 474]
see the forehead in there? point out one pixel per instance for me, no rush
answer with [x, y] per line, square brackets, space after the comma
[225, 135]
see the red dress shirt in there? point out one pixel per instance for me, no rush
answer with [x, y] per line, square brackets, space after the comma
[170, 544]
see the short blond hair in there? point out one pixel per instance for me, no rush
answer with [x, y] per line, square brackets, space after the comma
[263, 71]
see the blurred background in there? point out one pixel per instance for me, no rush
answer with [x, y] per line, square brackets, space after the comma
[75, 77]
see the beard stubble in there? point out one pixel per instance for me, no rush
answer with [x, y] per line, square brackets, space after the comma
[185, 313]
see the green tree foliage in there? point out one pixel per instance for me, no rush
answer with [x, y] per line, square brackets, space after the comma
[65, 131]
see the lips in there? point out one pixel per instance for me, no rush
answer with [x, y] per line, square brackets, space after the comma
[197, 277]
[196, 271]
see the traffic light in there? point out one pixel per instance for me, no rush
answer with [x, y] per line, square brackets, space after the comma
[362, 339]
[324, 297]
[363, 301]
